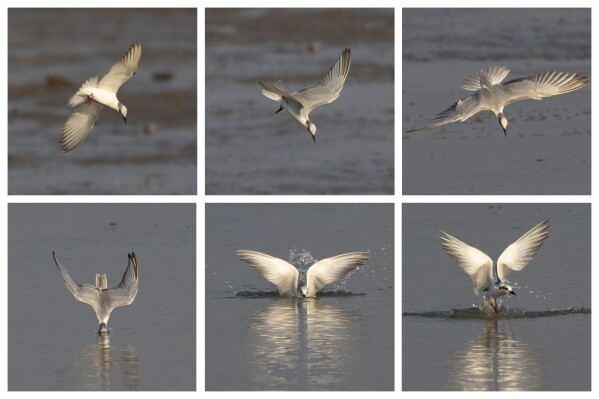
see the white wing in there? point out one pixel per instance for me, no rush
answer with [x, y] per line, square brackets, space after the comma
[458, 112]
[84, 293]
[485, 78]
[80, 123]
[122, 70]
[329, 270]
[124, 293]
[476, 263]
[275, 270]
[329, 87]
[521, 252]
[545, 84]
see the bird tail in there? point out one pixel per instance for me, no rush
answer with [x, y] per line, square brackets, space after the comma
[274, 92]
[80, 96]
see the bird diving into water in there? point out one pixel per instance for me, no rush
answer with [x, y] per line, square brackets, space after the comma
[92, 96]
[100, 297]
[492, 95]
[489, 277]
[286, 277]
[299, 104]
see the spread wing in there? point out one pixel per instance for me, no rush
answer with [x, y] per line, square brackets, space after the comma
[329, 270]
[485, 78]
[476, 263]
[521, 252]
[545, 84]
[122, 70]
[124, 293]
[79, 125]
[329, 86]
[84, 293]
[458, 112]
[277, 271]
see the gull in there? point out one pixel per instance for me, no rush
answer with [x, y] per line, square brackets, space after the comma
[492, 95]
[92, 96]
[100, 297]
[488, 277]
[285, 276]
[299, 104]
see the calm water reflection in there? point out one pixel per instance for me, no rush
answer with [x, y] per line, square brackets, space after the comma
[495, 360]
[102, 363]
[303, 343]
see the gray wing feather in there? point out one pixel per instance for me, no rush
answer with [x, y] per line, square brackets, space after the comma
[329, 86]
[82, 292]
[545, 84]
[79, 125]
[458, 112]
[124, 293]
[123, 70]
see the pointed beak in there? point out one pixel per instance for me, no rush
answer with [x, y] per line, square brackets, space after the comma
[314, 138]
[504, 132]
[125, 119]
[512, 292]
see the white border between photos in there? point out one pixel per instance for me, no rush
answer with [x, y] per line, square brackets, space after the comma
[201, 199]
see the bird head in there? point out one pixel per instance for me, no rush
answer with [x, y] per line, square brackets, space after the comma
[304, 290]
[103, 329]
[123, 111]
[503, 122]
[507, 288]
[312, 129]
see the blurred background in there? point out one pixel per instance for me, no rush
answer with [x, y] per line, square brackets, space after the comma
[252, 150]
[51, 52]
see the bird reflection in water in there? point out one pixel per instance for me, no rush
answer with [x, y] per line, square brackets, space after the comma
[494, 360]
[103, 366]
[304, 344]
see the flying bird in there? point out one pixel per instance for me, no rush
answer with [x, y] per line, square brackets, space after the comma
[300, 103]
[92, 96]
[100, 297]
[492, 95]
[285, 276]
[489, 277]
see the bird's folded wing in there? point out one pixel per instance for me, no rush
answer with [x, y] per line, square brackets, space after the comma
[122, 70]
[485, 78]
[545, 84]
[277, 271]
[328, 88]
[476, 263]
[80, 123]
[84, 293]
[329, 270]
[521, 252]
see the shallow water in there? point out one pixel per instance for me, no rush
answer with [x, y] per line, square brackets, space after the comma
[541, 338]
[342, 340]
[53, 340]
[547, 148]
[252, 150]
[153, 153]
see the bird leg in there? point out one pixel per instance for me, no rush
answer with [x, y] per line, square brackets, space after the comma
[280, 109]
[90, 99]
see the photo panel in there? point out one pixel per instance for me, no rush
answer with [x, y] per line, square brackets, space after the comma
[299, 297]
[101, 297]
[102, 101]
[496, 297]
